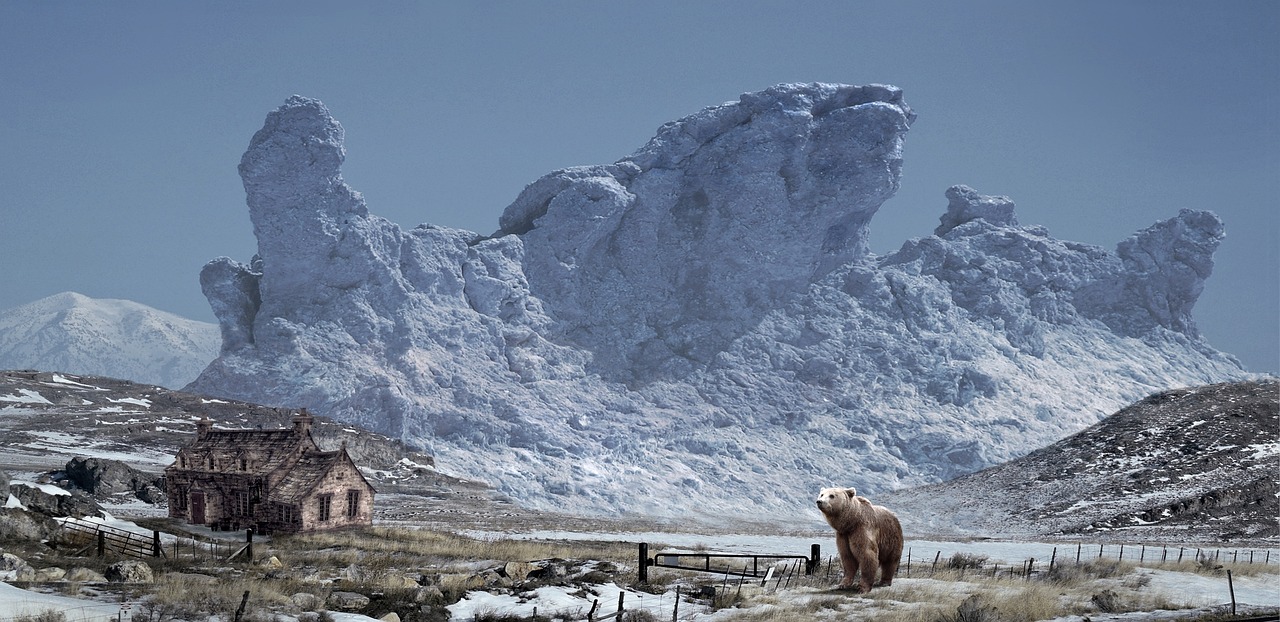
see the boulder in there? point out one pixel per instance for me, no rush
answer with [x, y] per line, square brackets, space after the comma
[52, 573]
[306, 601]
[129, 571]
[81, 574]
[347, 601]
[18, 524]
[103, 478]
[74, 503]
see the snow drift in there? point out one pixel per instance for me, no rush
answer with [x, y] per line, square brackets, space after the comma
[699, 327]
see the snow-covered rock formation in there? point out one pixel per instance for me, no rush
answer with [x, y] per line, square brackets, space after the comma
[699, 327]
[73, 333]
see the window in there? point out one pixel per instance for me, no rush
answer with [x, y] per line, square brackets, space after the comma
[353, 503]
[210, 463]
[326, 504]
[286, 514]
[241, 503]
[244, 464]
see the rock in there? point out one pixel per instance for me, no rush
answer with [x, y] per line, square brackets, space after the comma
[400, 582]
[4, 482]
[517, 571]
[74, 503]
[347, 601]
[707, 303]
[271, 563]
[17, 524]
[153, 494]
[307, 601]
[9, 561]
[52, 573]
[102, 477]
[965, 204]
[390, 617]
[85, 575]
[129, 571]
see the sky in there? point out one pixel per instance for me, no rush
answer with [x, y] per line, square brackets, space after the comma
[123, 122]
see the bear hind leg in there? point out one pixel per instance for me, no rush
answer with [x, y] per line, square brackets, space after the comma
[888, 570]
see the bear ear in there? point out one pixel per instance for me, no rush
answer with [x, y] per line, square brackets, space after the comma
[852, 492]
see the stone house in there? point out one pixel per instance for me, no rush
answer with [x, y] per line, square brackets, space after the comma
[273, 481]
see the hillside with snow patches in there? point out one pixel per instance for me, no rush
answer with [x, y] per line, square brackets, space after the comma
[77, 334]
[1191, 464]
[700, 324]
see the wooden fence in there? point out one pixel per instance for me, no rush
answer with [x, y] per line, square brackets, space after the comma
[103, 539]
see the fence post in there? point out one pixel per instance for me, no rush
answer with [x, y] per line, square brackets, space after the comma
[644, 562]
[591, 615]
[102, 543]
[815, 558]
[1053, 559]
[1079, 545]
[935, 562]
[155, 544]
[243, 601]
[248, 538]
[1231, 586]
[675, 612]
[621, 595]
[908, 561]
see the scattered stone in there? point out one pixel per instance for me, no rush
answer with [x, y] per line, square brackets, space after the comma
[81, 574]
[347, 601]
[307, 601]
[52, 573]
[130, 571]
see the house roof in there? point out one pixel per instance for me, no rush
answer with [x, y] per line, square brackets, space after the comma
[310, 469]
[271, 447]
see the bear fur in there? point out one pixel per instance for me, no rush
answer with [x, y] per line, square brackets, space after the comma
[868, 537]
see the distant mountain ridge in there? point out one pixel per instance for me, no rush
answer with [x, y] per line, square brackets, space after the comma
[73, 333]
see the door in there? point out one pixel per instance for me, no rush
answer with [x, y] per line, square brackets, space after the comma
[197, 508]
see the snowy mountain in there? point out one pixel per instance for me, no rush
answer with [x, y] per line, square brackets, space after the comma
[1187, 465]
[76, 334]
[700, 324]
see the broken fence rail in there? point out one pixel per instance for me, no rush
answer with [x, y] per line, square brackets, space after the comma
[675, 560]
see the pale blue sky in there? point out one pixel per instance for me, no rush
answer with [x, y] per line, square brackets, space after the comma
[123, 122]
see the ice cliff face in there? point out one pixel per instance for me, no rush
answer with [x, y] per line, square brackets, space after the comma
[699, 327]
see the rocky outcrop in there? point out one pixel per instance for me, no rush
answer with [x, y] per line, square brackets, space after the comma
[57, 504]
[658, 262]
[701, 318]
[103, 478]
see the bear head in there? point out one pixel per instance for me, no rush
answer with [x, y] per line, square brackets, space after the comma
[832, 500]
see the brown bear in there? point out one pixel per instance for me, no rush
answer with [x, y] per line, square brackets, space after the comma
[868, 536]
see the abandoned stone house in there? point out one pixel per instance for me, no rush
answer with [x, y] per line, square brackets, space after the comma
[273, 481]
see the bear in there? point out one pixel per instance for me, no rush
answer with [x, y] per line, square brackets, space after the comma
[868, 537]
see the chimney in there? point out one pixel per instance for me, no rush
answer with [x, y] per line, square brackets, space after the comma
[302, 422]
[202, 427]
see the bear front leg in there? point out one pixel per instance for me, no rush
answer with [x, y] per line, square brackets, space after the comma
[869, 565]
[848, 560]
